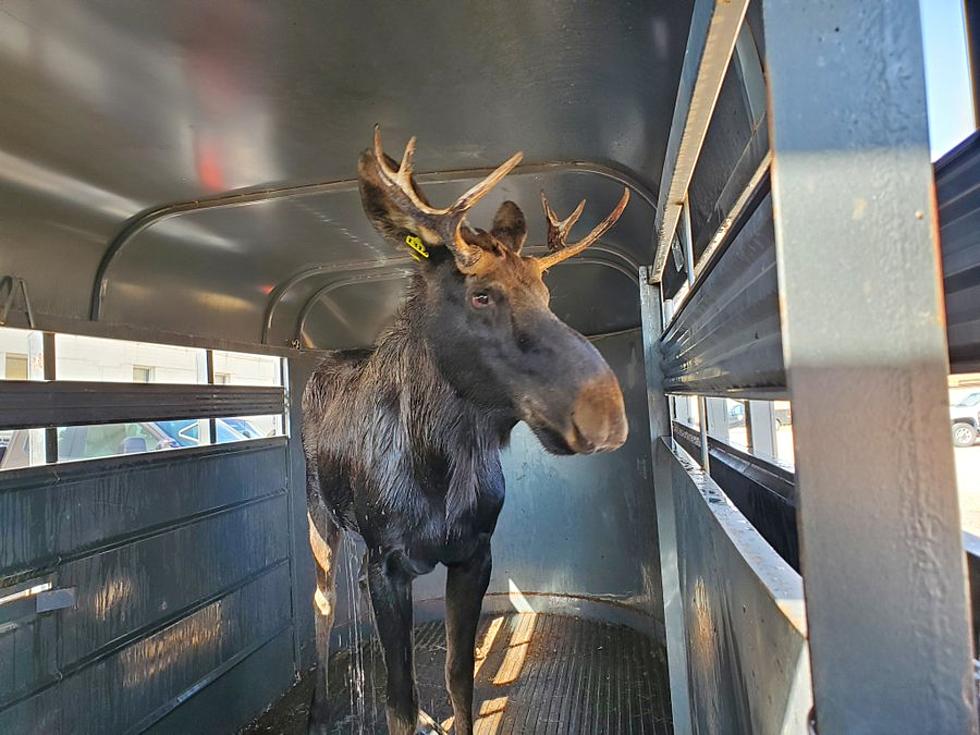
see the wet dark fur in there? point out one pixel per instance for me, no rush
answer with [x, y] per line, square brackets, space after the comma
[394, 438]
[403, 441]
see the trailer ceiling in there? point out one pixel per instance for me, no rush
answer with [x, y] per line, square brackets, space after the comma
[117, 108]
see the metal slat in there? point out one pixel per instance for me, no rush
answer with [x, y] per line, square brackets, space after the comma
[714, 30]
[726, 340]
[33, 404]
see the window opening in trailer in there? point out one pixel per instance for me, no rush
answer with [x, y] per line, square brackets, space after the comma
[21, 354]
[949, 88]
[111, 361]
[964, 417]
[751, 461]
[105, 360]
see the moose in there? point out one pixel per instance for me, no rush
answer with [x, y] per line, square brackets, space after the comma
[403, 440]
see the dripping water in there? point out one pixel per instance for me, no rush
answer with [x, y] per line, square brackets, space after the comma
[356, 673]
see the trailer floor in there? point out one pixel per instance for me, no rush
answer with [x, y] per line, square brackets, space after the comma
[536, 674]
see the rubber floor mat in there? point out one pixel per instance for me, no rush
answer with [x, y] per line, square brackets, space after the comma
[540, 674]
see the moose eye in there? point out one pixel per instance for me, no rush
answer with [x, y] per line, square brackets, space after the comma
[480, 300]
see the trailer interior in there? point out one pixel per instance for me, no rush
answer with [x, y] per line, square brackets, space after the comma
[777, 548]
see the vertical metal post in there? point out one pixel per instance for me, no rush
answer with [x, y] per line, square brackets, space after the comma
[747, 413]
[865, 353]
[50, 373]
[209, 370]
[651, 318]
[687, 240]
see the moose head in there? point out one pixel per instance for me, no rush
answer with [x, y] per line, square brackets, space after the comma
[485, 313]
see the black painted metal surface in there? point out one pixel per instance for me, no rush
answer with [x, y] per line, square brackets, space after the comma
[763, 493]
[537, 674]
[25, 404]
[179, 566]
[726, 339]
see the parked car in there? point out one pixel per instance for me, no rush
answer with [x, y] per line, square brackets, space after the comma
[965, 418]
[106, 440]
[736, 415]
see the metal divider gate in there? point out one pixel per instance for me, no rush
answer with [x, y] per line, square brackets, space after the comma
[167, 591]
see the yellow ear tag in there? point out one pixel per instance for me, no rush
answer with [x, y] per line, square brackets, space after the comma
[417, 246]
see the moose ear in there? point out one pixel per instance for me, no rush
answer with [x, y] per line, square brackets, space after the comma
[386, 216]
[509, 226]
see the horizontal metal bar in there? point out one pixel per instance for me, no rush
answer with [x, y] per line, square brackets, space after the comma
[28, 404]
[149, 217]
[725, 341]
[762, 491]
[41, 475]
[714, 30]
[382, 274]
[346, 271]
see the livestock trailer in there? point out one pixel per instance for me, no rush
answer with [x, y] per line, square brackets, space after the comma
[775, 549]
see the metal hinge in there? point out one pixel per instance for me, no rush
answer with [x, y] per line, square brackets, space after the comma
[35, 599]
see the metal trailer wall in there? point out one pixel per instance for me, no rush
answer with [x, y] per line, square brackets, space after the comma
[828, 294]
[744, 622]
[170, 574]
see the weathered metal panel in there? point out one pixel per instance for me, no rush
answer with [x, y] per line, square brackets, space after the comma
[180, 567]
[125, 592]
[744, 630]
[31, 404]
[131, 689]
[236, 694]
[585, 526]
[726, 339]
[50, 513]
[863, 338]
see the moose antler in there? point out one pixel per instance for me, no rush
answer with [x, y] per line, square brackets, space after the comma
[436, 225]
[558, 231]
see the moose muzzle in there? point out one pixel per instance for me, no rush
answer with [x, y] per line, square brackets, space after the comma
[598, 420]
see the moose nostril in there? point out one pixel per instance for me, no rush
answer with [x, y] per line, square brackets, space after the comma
[599, 416]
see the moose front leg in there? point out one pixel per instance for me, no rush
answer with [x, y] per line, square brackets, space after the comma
[465, 586]
[391, 598]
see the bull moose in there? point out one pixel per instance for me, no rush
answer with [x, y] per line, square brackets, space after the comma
[403, 440]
